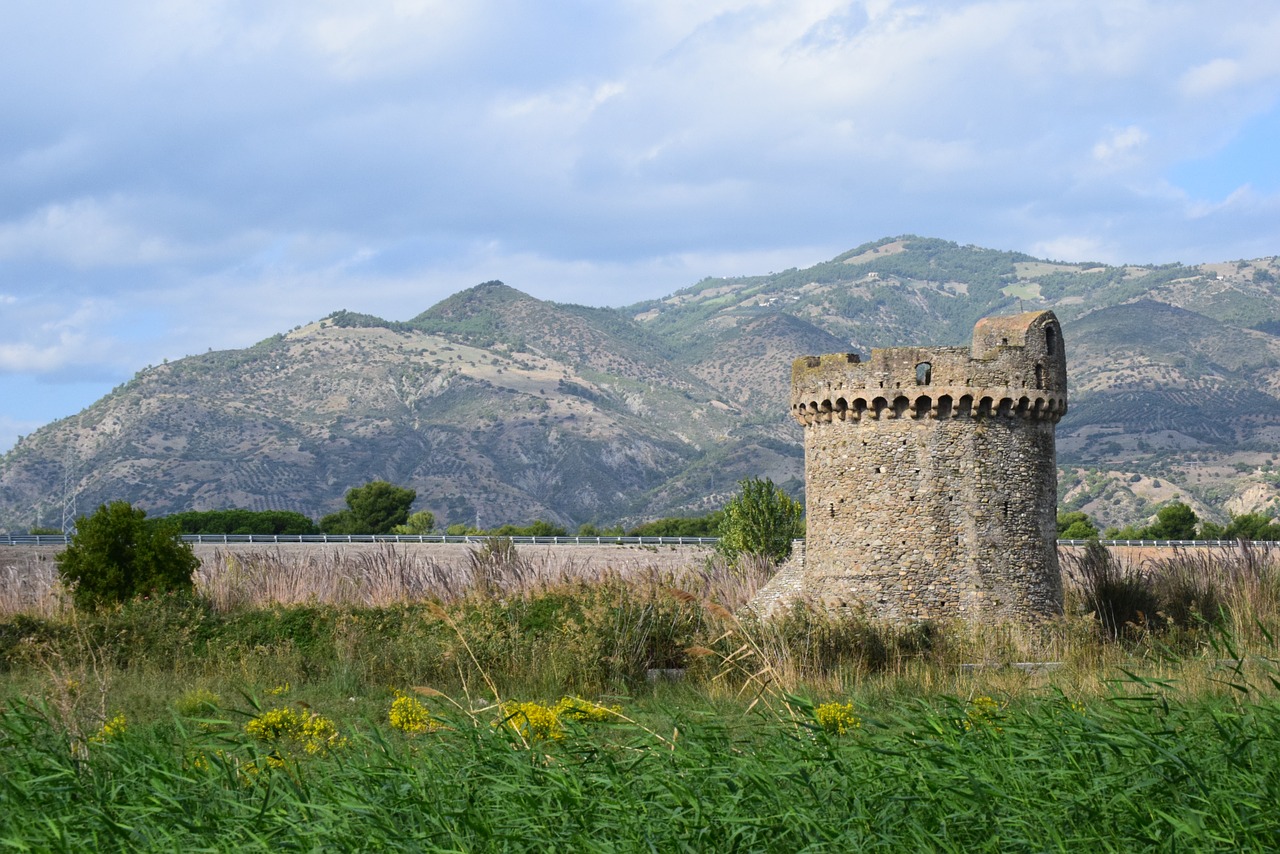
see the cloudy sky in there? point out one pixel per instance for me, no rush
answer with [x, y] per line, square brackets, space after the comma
[180, 175]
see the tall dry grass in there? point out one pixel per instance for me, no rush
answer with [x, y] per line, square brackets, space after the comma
[1115, 609]
[388, 576]
[1234, 589]
[32, 588]
[231, 579]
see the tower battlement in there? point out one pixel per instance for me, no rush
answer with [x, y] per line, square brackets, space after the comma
[931, 475]
[1015, 368]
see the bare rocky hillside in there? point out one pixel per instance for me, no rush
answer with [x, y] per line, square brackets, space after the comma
[499, 407]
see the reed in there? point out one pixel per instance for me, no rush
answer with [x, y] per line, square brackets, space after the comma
[1133, 770]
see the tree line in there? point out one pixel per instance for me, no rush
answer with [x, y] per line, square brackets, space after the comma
[117, 554]
[1173, 521]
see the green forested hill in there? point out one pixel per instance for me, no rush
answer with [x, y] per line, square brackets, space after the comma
[499, 407]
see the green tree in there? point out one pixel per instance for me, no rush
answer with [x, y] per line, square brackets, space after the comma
[1076, 525]
[115, 555]
[237, 521]
[1246, 526]
[760, 520]
[590, 529]
[422, 522]
[1174, 521]
[537, 528]
[681, 526]
[375, 508]
[1128, 532]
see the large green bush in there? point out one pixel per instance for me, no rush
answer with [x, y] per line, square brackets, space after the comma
[116, 555]
[760, 520]
[238, 521]
[680, 526]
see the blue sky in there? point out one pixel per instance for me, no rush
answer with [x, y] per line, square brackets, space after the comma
[193, 174]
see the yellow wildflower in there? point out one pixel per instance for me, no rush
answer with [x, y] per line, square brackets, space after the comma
[407, 714]
[314, 734]
[837, 718]
[982, 714]
[533, 721]
[112, 728]
[575, 708]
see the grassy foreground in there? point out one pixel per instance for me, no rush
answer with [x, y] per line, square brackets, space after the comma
[525, 718]
[1128, 773]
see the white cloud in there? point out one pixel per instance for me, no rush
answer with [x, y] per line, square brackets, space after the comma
[1211, 78]
[299, 157]
[86, 232]
[1245, 56]
[44, 337]
[1119, 144]
[1075, 248]
[1244, 201]
[384, 37]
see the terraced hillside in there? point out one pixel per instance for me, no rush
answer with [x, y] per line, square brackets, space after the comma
[499, 407]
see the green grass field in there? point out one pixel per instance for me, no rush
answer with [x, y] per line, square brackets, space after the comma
[526, 719]
[1127, 773]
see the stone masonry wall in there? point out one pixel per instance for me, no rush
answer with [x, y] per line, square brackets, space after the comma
[930, 476]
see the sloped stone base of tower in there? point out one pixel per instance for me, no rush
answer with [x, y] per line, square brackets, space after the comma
[896, 603]
[784, 589]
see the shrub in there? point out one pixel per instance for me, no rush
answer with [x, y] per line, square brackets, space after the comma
[115, 555]
[678, 526]
[1076, 525]
[760, 520]
[422, 522]
[265, 522]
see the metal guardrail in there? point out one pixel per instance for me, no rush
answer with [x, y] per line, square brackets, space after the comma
[269, 539]
[1162, 544]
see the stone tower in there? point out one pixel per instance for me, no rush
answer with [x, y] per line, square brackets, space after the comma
[931, 478]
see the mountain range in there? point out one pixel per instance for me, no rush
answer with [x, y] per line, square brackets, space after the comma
[499, 407]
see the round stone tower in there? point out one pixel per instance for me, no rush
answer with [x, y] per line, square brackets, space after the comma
[931, 477]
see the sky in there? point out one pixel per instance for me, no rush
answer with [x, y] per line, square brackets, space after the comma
[184, 175]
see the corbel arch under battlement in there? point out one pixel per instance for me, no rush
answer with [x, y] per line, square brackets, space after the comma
[949, 404]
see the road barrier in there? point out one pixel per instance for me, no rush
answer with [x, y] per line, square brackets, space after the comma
[323, 539]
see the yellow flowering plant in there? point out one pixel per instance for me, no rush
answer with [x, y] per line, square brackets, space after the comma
[533, 721]
[408, 715]
[981, 715]
[538, 722]
[112, 728]
[284, 727]
[578, 709]
[837, 718]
